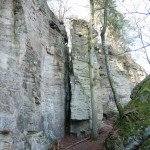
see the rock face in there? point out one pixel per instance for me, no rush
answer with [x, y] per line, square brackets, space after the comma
[80, 81]
[32, 47]
[125, 74]
[134, 126]
[36, 77]
[124, 71]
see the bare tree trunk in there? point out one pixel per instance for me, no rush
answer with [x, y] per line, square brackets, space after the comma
[94, 135]
[119, 107]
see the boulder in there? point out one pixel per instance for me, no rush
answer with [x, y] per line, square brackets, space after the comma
[132, 131]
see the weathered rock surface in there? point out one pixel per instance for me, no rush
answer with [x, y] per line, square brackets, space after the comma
[80, 81]
[33, 85]
[32, 46]
[125, 74]
[134, 126]
[124, 71]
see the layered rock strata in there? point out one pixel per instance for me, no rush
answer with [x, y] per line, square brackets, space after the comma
[80, 81]
[125, 74]
[32, 47]
[36, 76]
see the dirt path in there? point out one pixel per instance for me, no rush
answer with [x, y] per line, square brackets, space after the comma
[84, 145]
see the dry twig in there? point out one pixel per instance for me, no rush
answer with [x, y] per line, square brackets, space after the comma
[77, 143]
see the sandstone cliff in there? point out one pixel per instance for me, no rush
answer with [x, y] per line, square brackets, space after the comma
[124, 71]
[125, 74]
[32, 48]
[80, 81]
[41, 86]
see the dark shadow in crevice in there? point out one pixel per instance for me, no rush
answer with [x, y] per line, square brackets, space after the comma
[67, 91]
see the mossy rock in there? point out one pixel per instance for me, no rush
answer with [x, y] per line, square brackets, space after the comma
[133, 128]
[146, 145]
[112, 143]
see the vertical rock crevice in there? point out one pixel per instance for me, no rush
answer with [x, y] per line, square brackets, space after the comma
[42, 91]
[32, 92]
[124, 80]
[67, 90]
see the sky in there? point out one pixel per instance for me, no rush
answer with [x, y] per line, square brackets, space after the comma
[80, 9]
[133, 10]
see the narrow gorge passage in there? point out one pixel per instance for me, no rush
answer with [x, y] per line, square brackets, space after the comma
[44, 89]
[67, 91]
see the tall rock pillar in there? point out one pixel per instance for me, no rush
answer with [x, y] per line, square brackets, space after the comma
[80, 82]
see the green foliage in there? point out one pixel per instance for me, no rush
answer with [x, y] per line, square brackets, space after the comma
[95, 137]
[120, 109]
[146, 145]
[118, 26]
[113, 143]
[116, 22]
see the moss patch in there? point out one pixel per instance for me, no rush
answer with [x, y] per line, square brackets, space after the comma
[146, 145]
[136, 116]
[112, 143]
